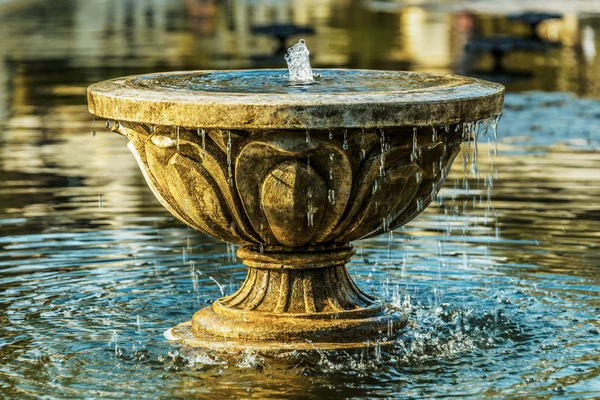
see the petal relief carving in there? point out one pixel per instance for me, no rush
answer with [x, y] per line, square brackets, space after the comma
[137, 146]
[389, 196]
[293, 198]
[211, 166]
[366, 194]
[437, 153]
[264, 151]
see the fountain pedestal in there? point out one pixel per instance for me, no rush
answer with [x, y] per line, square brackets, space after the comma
[293, 300]
[293, 175]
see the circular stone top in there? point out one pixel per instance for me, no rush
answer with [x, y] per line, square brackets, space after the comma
[266, 99]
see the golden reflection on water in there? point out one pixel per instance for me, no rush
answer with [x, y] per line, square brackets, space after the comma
[51, 53]
[101, 39]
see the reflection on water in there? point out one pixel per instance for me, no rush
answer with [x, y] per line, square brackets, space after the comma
[93, 270]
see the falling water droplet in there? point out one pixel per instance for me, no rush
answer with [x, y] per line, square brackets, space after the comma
[229, 160]
[434, 191]
[414, 154]
[345, 143]
[331, 196]
[375, 187]
[485, 127]
[362, 145]
[309, 195]
[331, 161]
[310, 216]
[494, 125]
[385, 224]
[139, 322]
[202, 133]
[406, 302]
[382, 155]
[115, 341]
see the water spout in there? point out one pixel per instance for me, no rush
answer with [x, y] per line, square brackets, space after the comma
[298, 61]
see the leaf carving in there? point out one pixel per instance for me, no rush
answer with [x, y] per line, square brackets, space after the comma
[264, 151]
[286, 188]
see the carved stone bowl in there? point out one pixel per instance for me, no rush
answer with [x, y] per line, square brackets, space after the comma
[293, 175]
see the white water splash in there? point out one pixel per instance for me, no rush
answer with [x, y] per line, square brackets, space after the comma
[298, 61]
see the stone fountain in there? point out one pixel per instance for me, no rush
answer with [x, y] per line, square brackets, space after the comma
[293, 172]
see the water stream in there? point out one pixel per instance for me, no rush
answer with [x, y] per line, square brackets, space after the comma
[298, 62]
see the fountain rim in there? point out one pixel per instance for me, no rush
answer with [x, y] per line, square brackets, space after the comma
[119, 99]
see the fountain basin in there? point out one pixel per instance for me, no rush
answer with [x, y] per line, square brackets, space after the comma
[293, 173]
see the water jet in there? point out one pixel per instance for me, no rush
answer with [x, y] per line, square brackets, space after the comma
[293, 172]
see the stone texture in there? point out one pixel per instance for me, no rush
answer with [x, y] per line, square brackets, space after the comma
[294, 199]
[455, 99]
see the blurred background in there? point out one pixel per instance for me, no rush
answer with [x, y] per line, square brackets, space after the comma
[53, 49]
[93, 269]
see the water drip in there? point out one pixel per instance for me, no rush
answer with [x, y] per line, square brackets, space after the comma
[139, 323]
[414, 154]
[115, 340]
[362, 145]
[331, 196]
[382, 156]
[202, 134]
[309, 196]
[331, 161]
[385, 223]
[229, 160]
[310, 215]
[345, 143]
[375, 187]
[494, 125]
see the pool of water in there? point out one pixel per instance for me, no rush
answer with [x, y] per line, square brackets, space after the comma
[277, 81]
[504, 300]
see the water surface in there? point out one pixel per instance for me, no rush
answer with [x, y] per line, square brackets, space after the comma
[278, 81]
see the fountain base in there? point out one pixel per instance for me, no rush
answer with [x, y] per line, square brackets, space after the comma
[293, 300]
